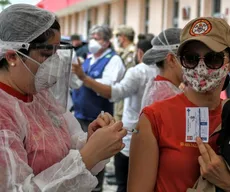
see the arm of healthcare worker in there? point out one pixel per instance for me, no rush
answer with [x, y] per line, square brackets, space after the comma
[70, 174]
[213, 167]
[125, 88]
[143, 159]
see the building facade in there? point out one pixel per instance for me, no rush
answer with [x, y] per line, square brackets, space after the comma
[145, 16]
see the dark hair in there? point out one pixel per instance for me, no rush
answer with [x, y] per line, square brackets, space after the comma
[226, 82]
[228, 51]
[141, 37]
[160, 64]
[149, 36]
[39, 40]
[75, 37]
[144, 45]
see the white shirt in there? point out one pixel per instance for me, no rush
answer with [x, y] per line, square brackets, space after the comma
[131, 88]
[113, 72]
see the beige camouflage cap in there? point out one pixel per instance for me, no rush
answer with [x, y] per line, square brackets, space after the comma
[124, 30]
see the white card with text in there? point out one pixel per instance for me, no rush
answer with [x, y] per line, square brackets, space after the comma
[197, 124]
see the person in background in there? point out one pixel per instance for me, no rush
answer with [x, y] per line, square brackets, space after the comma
[103, 66]
[80, 47]
[139, 51]
[149, 36]
[164, 152]
[42, 147]
[130, 88]
[124, 37]
[162, 56]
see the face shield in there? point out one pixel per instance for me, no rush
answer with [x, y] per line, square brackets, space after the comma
[53, 64]
[60, 89]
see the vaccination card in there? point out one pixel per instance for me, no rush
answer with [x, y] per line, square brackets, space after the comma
[197, 124]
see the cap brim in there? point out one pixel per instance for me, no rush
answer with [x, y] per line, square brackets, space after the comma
[209, 42]
[148, 57]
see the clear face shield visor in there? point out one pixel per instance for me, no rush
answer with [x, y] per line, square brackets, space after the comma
[53, 73]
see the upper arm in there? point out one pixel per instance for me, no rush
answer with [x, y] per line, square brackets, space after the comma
[127, 86]
[144, 154]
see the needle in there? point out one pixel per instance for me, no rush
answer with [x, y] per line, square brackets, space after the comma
[131, 131]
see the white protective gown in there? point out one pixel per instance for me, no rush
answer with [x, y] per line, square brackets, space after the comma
[39, 148]
[158, 90]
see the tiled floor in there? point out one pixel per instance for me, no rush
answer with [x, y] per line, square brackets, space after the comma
[109, 188]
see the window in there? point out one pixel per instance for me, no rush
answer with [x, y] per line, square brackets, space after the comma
[147, 2]
[198, 8]
[96, 15]
[108, 15]
[216, 6]
[175, 13]
[88, 21]
[186, 13]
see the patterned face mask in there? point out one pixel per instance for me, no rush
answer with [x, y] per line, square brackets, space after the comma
[202, 79]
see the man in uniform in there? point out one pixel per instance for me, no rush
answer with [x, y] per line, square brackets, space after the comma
[124, 36]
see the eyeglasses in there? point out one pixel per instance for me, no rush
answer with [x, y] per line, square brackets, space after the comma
[212, 60]
[51, 47]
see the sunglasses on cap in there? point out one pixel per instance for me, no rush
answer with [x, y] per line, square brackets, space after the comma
[212, 60]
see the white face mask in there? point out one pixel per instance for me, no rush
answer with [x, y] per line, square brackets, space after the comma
[116, 43]
[94, 46]
[202, 79]
[48, 72]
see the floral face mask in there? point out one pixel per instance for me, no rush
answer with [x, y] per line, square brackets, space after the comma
[203, 79]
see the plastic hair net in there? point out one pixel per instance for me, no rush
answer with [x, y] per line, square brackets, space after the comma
[39, 144]
[17, 35]
[166, 42]
[157, 91]
[21, 23]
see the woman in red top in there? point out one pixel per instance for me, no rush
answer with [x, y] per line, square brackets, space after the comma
[162, 159]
